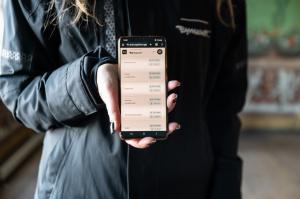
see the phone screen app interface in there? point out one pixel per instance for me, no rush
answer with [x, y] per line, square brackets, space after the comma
[143, 87]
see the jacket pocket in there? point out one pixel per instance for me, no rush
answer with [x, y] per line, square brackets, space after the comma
[57, 144]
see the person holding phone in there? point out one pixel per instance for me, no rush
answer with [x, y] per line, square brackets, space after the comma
[59, 76]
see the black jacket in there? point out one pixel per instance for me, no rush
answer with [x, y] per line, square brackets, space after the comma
[47, 82]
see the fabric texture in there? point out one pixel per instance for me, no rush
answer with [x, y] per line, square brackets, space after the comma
[110, 30]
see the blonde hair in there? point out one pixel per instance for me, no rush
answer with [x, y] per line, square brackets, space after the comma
[230, 8]
[84, 10]
[81, 10]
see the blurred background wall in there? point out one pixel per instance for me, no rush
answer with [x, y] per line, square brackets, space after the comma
[270, 141]
[274, 65]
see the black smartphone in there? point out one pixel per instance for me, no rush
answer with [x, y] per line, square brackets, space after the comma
[143, 86]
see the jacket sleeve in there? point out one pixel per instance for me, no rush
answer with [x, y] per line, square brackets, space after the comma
[226, 101]
[38, 97]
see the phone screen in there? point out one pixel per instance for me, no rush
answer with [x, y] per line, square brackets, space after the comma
[143, 84]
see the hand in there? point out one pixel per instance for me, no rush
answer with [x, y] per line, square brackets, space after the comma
[107, 80]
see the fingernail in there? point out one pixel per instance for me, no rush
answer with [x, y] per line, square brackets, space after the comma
[178, 127]
[153, 141]
[175, 98]
[112, 127]
[178, 84]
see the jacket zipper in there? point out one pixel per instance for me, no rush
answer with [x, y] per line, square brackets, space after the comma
[128, 147]
[128, 18]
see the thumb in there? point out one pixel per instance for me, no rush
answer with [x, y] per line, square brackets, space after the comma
[112, 106]
[107, 81]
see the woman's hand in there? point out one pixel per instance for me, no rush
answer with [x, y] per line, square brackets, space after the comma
[108, 87]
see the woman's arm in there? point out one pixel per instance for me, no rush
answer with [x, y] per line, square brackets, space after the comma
[225, 103]
[38, 98]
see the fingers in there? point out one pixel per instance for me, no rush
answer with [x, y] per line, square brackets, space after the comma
[173, 126]
[173, 84]
[141, 143]
[171, 102]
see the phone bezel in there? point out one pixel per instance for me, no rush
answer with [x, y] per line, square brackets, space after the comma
[161, 135]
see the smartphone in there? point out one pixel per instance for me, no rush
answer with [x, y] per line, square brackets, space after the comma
[143, 86]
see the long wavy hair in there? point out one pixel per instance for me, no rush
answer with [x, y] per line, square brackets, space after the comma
[86, 9]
